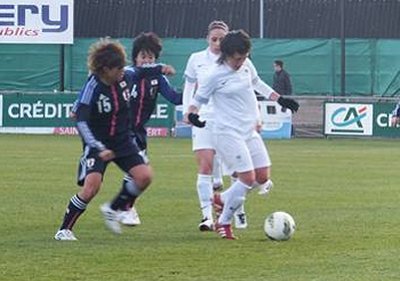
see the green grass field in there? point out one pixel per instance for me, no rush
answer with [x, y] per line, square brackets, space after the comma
[343, 194]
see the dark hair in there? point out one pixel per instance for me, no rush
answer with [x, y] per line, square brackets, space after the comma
[105, 53]
[279, 62]
[148, 42]
[236, 41]
[218, 24]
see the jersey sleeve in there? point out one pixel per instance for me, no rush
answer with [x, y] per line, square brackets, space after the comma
[190, 73]
[134, 74]
[83, 111]
[259, 85]
[168, 92]
[75, 105]
[205, 91]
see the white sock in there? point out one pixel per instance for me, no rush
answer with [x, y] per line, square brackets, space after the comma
[234, 198]
[205, 192]
[217, 171]
[240, 210]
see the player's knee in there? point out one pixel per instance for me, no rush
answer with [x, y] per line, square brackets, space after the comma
[205, 159]
[205, 169]
[247, 178]
[142, 176]
[261, 179]
[91, 187]
[262, 176]
[206, 166]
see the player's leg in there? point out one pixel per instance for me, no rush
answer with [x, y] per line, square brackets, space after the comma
[236, 156]
[240, 217]
[141, 178]
[204, 187]
[129, 215]
[262, 164]
[217, 175]
[91, 170]
[204, 150]
[141, 174]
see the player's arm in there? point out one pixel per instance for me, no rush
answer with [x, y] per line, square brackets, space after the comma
[168, 92]
[82, 117]
[202, 96]
[72, 113]
[137, 73]
[265, 90]
[396, 116]
[155, 69]
[259, 119]
[190, 85]
[83, 112]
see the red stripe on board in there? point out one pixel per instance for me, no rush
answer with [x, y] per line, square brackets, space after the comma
[361, 110]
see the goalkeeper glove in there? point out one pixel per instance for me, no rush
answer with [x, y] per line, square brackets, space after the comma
[194, 119]
[289, 103]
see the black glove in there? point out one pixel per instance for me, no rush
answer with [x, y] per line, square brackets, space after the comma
[194, 119]
[289, 103]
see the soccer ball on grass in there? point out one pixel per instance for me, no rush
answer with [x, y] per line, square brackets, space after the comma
[279, 226]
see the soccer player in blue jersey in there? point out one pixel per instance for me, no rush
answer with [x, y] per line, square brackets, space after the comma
[396, 115]
[102, 115]
[146, 50]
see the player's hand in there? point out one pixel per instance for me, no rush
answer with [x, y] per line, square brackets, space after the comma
[395, 121]
[259, 126]
[168, 69]
[72, 115]
[107, 155]
[289, 103]
[186, 119]
[194, 120]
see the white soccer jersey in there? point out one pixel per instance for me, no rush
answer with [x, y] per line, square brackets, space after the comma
[235, 103]
[197, 68]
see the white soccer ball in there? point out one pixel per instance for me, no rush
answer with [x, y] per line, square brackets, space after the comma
[279, 226]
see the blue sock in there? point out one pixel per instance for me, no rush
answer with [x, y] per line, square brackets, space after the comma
[127, 196]
[75, 208]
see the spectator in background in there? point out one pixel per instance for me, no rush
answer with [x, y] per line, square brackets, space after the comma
[281, 82]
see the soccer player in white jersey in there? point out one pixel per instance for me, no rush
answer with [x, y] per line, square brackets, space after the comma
[231, 84]
[209, 168]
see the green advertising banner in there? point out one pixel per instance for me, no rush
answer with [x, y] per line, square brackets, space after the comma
[359, 119]
[37, 110]
[163, 115]
[382, 117]
[34, 112]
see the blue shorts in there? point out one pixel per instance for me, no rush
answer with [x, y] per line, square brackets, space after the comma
[90, 162]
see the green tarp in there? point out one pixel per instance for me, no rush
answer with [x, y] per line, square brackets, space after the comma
[372, 66]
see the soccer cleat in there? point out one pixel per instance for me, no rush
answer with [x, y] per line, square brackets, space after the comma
[65, 235]
[265, 188]
[218, 186]
[111, 218]
[240, 220]
[129, 217]
[206, 225]
[217, 205]
[225, 231]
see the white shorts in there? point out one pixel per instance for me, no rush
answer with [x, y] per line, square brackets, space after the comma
[202, 138]
[242, 155]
